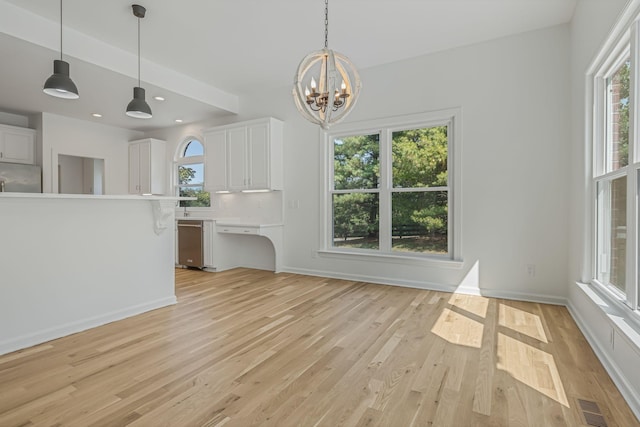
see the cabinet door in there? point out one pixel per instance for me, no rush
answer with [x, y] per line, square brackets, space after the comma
[134, 169]
[208, 242]
[145, 168]
[17, 146]
[258, 144]
[237, 146]
[215, 149]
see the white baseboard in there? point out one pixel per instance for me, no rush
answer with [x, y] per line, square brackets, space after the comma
[371, 279]
[517, 296]
[492, 293]
[629, 394]
[25, 341]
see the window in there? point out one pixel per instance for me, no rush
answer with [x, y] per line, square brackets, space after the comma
[615, 172]
[190, 175]
[389, 189]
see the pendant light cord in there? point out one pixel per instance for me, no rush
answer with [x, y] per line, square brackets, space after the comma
[138, 51]
[326, 24]
[60, 30]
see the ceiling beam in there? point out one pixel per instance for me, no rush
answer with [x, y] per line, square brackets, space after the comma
[33, 28]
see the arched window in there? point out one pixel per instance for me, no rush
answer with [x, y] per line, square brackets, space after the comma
[190, 174]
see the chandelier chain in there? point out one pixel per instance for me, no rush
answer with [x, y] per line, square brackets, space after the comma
[326, 24]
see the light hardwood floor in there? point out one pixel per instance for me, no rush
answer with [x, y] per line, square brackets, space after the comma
[251, 348]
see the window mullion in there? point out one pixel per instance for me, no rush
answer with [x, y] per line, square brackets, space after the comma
[386, 170]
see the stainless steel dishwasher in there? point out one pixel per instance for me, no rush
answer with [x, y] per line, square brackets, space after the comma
[190, 246]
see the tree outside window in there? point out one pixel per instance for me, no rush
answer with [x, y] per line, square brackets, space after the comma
[190, 173]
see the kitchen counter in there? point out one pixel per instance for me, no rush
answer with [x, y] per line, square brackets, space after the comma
[246, 224]
[81, 261]
[10, 195]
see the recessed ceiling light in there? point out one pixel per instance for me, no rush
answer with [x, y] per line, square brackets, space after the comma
[158, 98]
[98, 115]
[178, 120]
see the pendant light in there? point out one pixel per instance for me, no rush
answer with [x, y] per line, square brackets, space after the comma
[331, 83]
[60, 84]
[138, 107]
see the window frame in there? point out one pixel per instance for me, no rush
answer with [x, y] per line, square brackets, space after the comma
[181, 160]
[609, 59]
[385, 127]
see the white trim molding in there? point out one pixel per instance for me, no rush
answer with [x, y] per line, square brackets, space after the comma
[452, 118]
[22, 342]
[613, 336]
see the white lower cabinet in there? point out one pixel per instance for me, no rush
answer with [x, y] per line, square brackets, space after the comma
[208, 244]
[176, 242]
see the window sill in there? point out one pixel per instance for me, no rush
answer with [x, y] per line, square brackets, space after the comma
[393, 259]
[626, 320]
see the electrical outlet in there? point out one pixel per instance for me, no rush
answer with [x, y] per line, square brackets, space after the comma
[531, 270]
[294, 204]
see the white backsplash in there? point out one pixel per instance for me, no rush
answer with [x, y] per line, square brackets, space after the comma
[265, 208]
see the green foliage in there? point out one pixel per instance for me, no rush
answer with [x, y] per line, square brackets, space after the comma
[186, 174]
[355, 214]
[356, 162]
[203, 198]
[420, 157]
[432, 218]
[622, 77]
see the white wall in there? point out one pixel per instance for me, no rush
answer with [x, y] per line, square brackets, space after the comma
[64, 135]
[514, 94]
[14, 120]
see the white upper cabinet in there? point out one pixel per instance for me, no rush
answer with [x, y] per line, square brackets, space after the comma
[259, 157]
[215, 149]
[244, 156]
[147, 167]
[237, 166]
[17, 145]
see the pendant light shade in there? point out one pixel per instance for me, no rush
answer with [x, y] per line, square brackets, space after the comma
[326, 85]
[60, 84]
[138, 107]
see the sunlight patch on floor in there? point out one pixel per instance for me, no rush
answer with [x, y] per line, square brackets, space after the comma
[471, 303]
[531, 366]
[522, 321]
[458, 329]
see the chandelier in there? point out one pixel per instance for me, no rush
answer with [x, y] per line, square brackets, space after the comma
[330, 98]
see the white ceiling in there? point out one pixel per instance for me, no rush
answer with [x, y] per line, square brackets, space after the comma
[203, 54]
